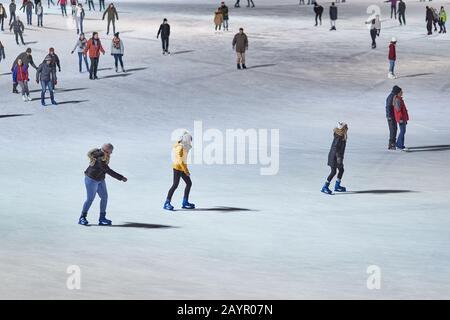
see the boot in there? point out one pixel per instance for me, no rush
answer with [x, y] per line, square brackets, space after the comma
[123, 69]
[338, 187]
[326, 188]
[102, 221]
[42, 99]
[244, 66]
[239, 66]
[83, 221]
[168, 206]
[52, 98]
[187, 205]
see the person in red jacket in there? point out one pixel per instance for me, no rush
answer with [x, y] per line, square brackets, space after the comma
[392, 58]
[401, 117]
[20, 77]
[93, 47]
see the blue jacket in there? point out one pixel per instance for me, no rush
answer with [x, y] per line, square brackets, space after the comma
[16, 68]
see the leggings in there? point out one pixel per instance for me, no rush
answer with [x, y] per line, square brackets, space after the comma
[333, 173]
[176, 180]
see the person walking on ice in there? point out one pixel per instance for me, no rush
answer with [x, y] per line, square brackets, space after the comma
[112, 16]
[402, 12]
[318, 10]
[18, 28]
[164, 31]
[392, 57]
[240, 43]
[80, 45]
[336, 158]
[180, 170]
[375, 28]
[3, 16]
[44, 76]
[117, 51]
[393, 8]
[225, 15]
[40, 14]
[79, 18]
[333, 16]
[27, 60]
[95, 183]
[442, 20]
[93, 48]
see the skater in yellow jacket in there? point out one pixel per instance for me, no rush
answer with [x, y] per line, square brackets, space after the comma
[180, 170]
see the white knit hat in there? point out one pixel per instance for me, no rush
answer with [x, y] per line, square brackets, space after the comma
[341, 125]
[394, 39]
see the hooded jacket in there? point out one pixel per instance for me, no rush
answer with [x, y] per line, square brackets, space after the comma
[392, 52]
[93, 47]
[401, 113]
[98, 167]
[333, 13]
[44, 73]
[240, 41]
[337, 151]
[20, 73]
[112, 13]
[180, 158]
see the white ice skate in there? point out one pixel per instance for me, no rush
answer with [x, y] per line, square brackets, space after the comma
[29, 98]
[24, 98]
[391, 76]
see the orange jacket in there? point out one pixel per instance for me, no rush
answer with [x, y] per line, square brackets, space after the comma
[94, 50]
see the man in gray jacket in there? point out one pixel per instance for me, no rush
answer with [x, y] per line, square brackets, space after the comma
[18, 28]
[240, 42]
[12, 12]
[44, 75]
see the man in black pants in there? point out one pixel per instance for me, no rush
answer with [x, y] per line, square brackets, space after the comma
[429, 18]
[401, 12]
[12, 12]
[318, 10]
[164, 31]
[392, 124]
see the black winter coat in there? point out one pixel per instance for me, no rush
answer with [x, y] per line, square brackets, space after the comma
[164, 31]
[337, 150]
[318, 9]
[26, 59]
[401, 7]
[100, 168]
[333, 13]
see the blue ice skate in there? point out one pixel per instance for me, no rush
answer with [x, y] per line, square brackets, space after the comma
[168, 206]
[83, 221]
[339, 188]
[326, 188]
[102, 221]
[187, 205]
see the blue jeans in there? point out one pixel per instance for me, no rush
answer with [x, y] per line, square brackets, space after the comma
[47, 85]
[401, 136]
[225, 24]
[29, 16]
[391, 66]
[80, 61]
[92, 188]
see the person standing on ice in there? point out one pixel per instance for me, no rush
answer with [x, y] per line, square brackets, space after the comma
[44, 76]
[336, 158]
[164, 31]
[442, 20]
[91, 5]
[94, 181]
[27, 60]
[40, 14]
[250, 2]
[79, 18]
[12, 11]
[20, 77]
[112, 16]
[29, 6]
[18, 28]
[50, 2]
[94, 48]
[54, 64]
[390, 116]
[63, 5]
[393, 8]
[392, 57]
[402, 12]
[225, 15]
[240, 42]
[218, 19]
[402, 118]
[2, 52]
[318, 10]
[180, 170]
[373, 32]
[80, 46]
[117, 51]
[333, 16]
[429, 18]
[3, 16]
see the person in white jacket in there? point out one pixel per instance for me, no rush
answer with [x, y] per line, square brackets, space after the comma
[117, 50]
[375, 29]
[79, 18]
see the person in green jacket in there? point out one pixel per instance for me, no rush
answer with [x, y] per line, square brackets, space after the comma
[442, 20]
[224, 10]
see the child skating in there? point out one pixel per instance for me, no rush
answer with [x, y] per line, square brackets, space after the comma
[336, 158]
[180, 170]
[94, 181]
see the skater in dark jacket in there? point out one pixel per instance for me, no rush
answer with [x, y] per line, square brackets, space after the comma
[12, 11]
[402, 12]
[27, 60]
[336, 158]
[94, 181]
[44, 76]
[2, 52]
[180, 170]
[429, 18]
[18, 28]
[318, 10]
[333, 16]
[54, 64]
[164, 31]
[240, 43]
[390, 116]
[402, 118]
[112, 16]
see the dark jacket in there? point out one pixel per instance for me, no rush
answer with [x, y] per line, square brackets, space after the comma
[240, 41]
[100, 168]
[336, 155]
[164, 30]
[26, 59]
[44, 73]
[390, 106]
[333, 13]
[224, 10]
[112, 13]
[401, 7]
[3, 13]
[2, 53]
[55, 61]
[318, 9]
[429, 15]
[17, 26]
[12, 8]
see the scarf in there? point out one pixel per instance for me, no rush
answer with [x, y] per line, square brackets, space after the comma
[116, 43]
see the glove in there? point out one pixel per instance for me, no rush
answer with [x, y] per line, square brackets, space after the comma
[59, 69]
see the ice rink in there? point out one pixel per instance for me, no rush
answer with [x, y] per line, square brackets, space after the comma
[255, 236]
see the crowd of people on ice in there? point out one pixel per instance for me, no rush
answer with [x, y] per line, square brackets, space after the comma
[90, 49]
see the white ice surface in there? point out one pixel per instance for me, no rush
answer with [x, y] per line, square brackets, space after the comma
[297, 243]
